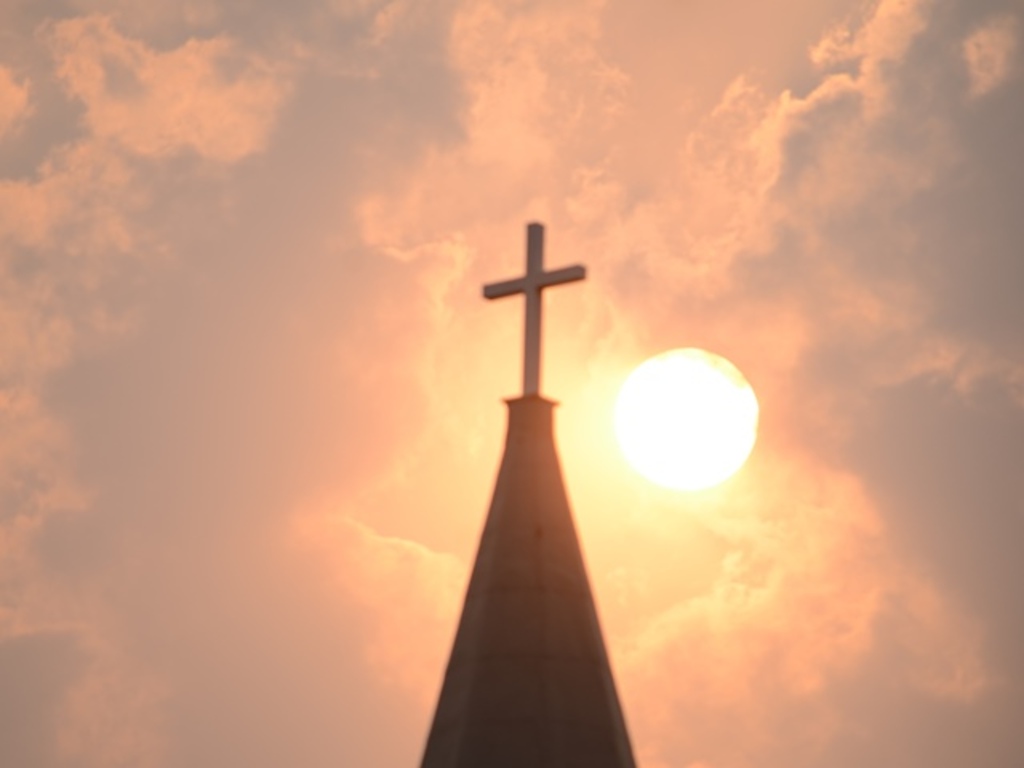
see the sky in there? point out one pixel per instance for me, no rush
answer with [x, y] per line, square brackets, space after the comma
[251, 397]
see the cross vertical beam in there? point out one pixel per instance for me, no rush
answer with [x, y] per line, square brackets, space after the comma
[534, 307]
[531, 284]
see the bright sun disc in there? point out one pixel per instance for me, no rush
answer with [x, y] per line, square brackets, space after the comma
[686, 419]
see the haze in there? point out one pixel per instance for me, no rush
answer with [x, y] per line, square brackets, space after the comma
[251, 395]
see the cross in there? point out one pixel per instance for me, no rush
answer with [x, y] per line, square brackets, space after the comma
[532, 283]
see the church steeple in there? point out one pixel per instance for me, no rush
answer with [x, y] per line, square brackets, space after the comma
[528, 684]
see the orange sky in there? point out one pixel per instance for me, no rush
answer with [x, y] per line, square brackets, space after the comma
[251, 395]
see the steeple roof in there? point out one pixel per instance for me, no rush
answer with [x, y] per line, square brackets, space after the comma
[528, 684]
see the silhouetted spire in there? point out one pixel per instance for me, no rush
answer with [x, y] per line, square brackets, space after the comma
[528, 684]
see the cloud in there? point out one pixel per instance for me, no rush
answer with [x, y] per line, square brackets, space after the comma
[111, 713]
[38, 667]
[204, 96]
[809, 587]
[871, 45]
[408, 594]
[240, 259]
[785, 211]
[72, 250]
[989, 54]
[14, 102]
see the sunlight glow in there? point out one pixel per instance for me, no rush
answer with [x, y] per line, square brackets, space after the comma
[686, 419]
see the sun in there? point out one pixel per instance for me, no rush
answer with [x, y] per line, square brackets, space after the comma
[686, 419]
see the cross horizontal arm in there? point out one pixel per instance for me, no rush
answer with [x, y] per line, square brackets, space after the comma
[565, 275]
[521, 284]
[504, 288]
